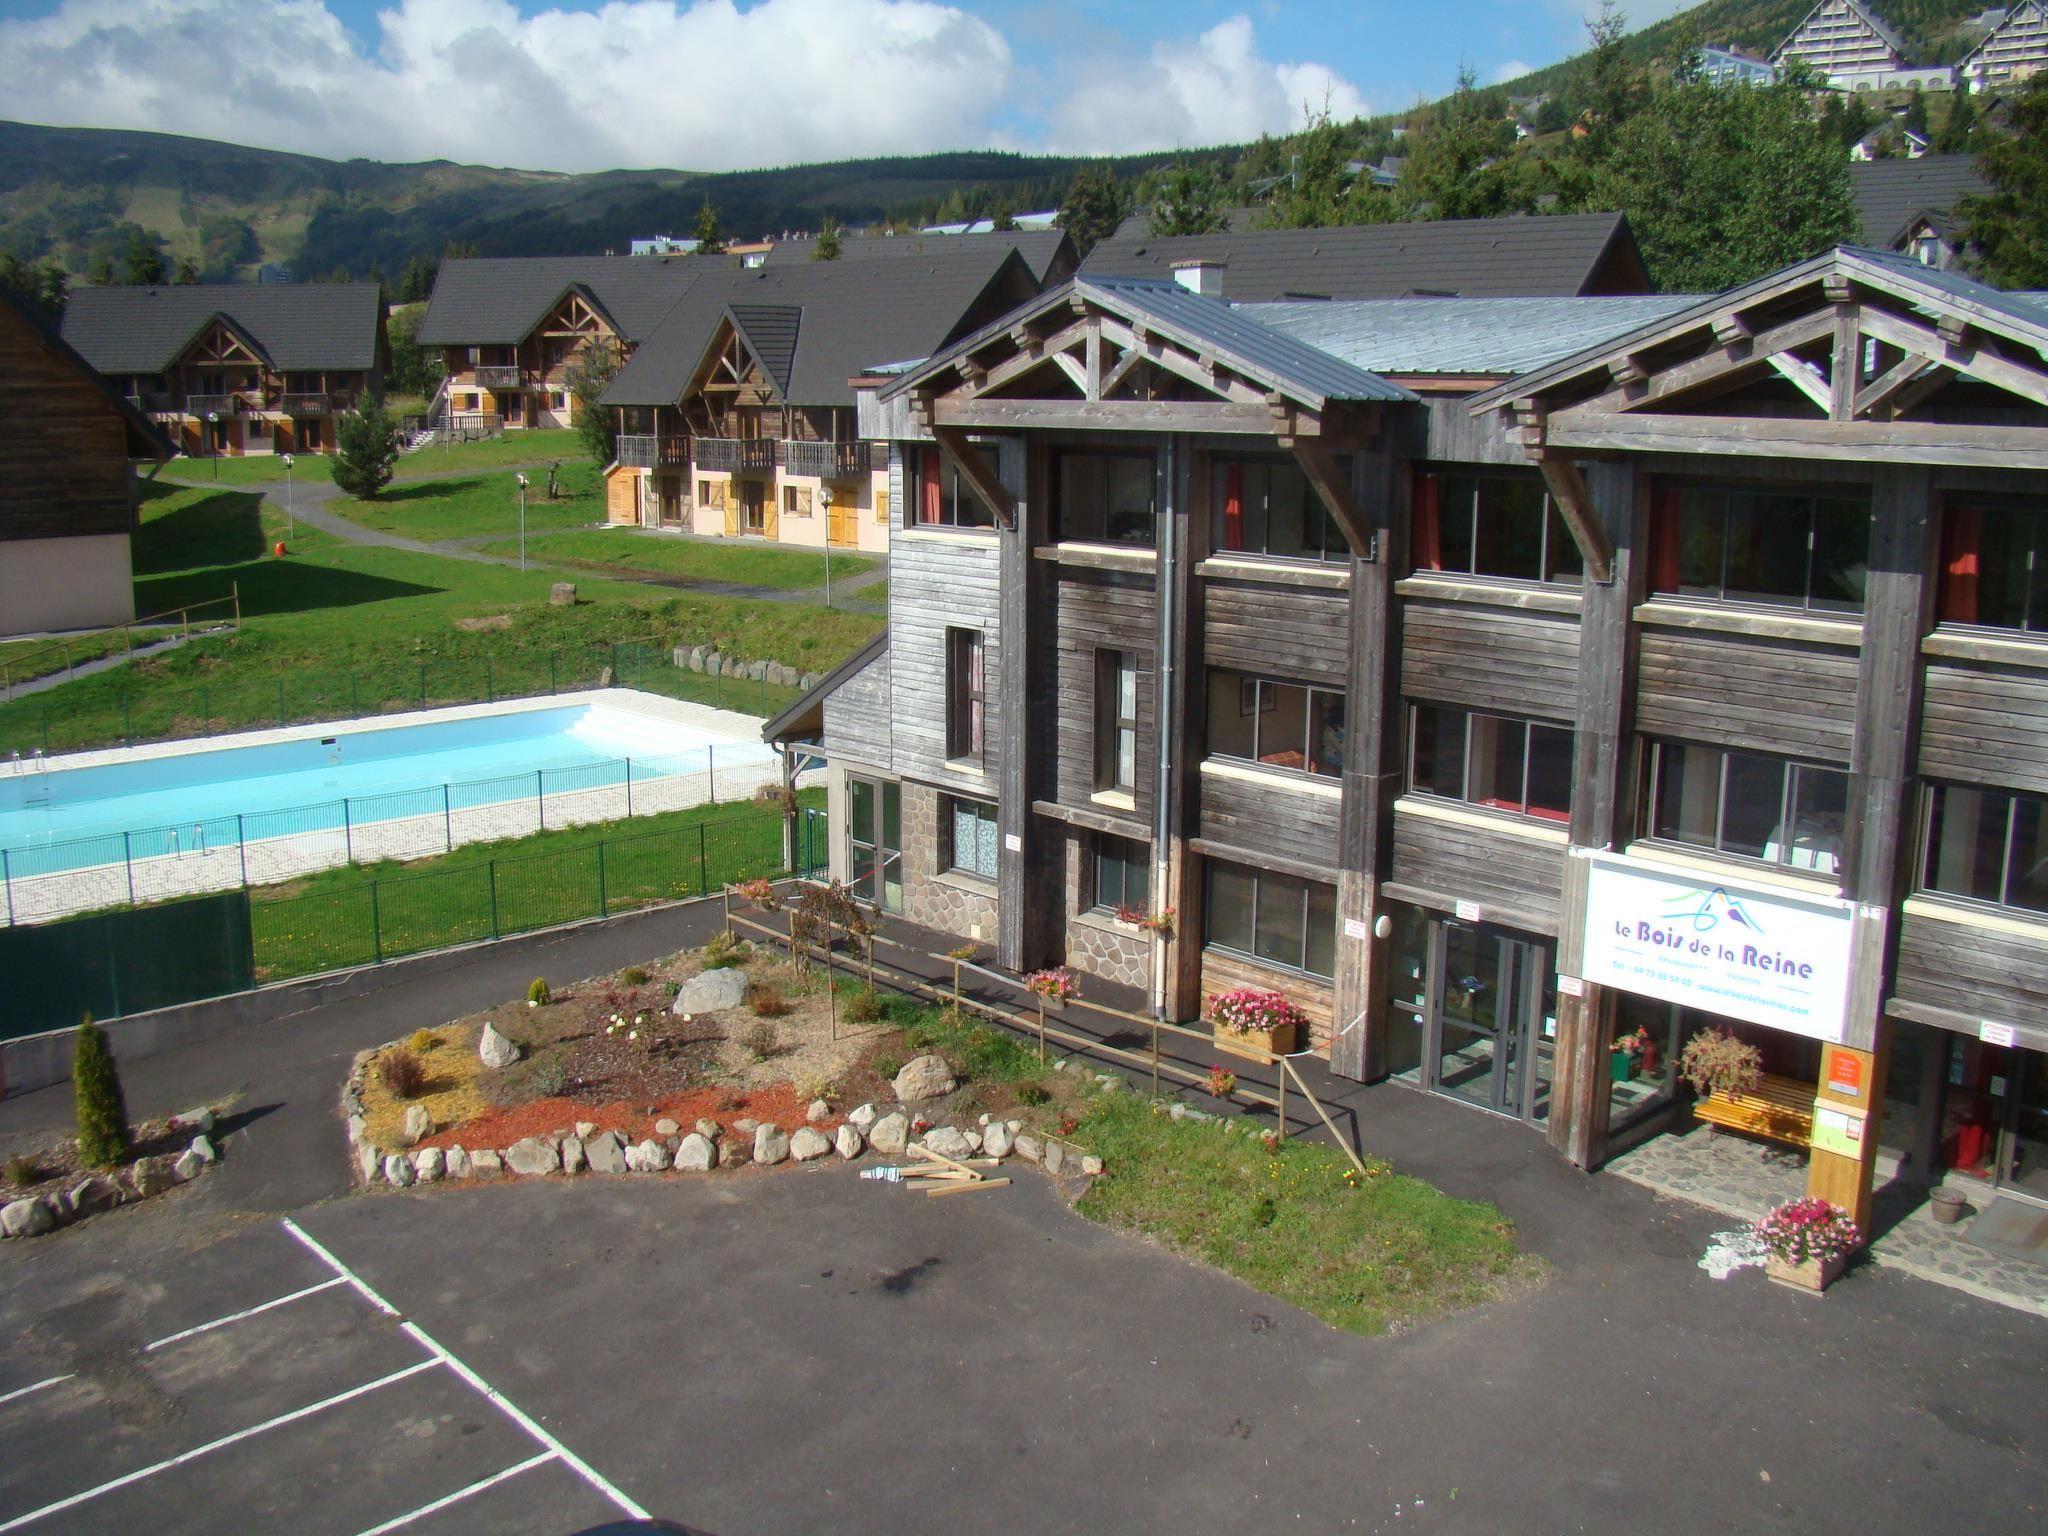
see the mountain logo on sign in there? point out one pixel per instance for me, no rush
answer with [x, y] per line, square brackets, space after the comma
[1707, 909]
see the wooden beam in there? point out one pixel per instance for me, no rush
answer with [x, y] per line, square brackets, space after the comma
[1064, 361]
[1715, 365]
[1575, 505]
[1883, 392]
[1804, 377]
[979, 474]
[1114, 415]
[1092, 351]
[1977, 362]
[1892, 442]
[1332, 486]
[1132, 358]
[1845, 367]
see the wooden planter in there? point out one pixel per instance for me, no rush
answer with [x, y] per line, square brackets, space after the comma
[1255, 1045]
[1813, 1277]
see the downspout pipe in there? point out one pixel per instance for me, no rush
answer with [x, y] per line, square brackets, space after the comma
[1164, 797]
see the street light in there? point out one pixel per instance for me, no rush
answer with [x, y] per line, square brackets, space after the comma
[522, 520]
[289, 530]
[212, 441]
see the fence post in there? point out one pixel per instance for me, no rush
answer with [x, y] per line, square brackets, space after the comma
[492, 869]
[7, 880]
[629, 786]
[711, 771]
[540, 798]
[376, 926]
[242, 848]
[447, 819]
[1281, 1108]
[1041, 1029]
[703, 864]
[348, 836]
[602, 910]
[128, 860]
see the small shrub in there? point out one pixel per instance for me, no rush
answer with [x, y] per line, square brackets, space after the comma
[1222, 1082]
[864, 1006]
[633, 976]
[400, 1071]
[1033, 1095]
[103, 1137]
[671, 988]
[537, 992]
[887, 1066]
[761, 1039]
[22, 1171]
[423, 1040]
[765, 1000]
[549, 1077]
[724, 949]
[815, 1085]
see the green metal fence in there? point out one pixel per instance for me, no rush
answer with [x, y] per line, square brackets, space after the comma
[124, 962]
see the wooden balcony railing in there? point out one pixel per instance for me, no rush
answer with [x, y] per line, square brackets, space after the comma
[499, 376]
[644, 451]
[308, 405]
[203, 406]
[831, 461]
[735, 454]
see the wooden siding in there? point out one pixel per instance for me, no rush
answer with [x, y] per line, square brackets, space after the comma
[1491, 658]
[1277, 631]
[1986, 725]
[857, 717]
[64, 450]
[1260, 817]
[1518, 878]
[1973, 971]
[1222, 973]
[1094, 611]
[1785, 696]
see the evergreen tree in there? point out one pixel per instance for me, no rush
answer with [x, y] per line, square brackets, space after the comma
[417, 283]
[1188, 201]
[1914, 119]
[1004, 222]
[597, 425]
[53, 288]
[1957, 135]
[1615, 90]
[1461, 162]
[143, 266]
[1096, 202]
[710, 242]
[826, 246]
[1315, 186]
[16, 281]
[100, 274]
[188, 272]
[415, 370]
[365, 450]
[102, 1112]
[2007, 227]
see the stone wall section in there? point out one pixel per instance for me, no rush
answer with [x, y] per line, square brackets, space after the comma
[1096, 943]
[951, 904]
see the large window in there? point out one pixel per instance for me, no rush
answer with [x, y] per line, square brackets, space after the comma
[939, 496]
[1276, 724]
[1994, 566]
[1267, 507]
[966, 717]
[1123, 871]
[1491, 760]
[1761, 544]
[1275, 918]
[970, 831]
[1497, 525]
[1987, 844]
[1744, 803]
[1104, 497]
[1116, 720]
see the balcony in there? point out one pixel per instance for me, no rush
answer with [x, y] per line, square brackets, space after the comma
[649, 452]
[154, 402]
[735, 454]
[203, 406]
[829, 461]
[499, 376]
[308, 405]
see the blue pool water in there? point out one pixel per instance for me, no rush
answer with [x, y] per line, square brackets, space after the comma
[173, 803]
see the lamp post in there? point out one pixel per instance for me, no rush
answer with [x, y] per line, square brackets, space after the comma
[522, 520]
[213, 441]
[289, 530]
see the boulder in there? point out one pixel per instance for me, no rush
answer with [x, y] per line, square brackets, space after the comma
[26, 1218]
[458, 1163]
[203, 1149]
[697, 1154]
[189, 1166]
[848, 1143]
[150, 1176]
[711, 991]
[398, 1170]
[605, 1153]
[562, 594]
[947, 1142]
[1091, 1165]
[890, 1135]
[666, 1127]
[864, 1117]
[586, 1129]
[973, 1140]
[650, 1156]
[808, 1143]
[429, 1163]
[924, 1077]
[745, 1126]
[708, 1129]
[200, 1119]
[97, 1193]
[996, 1141]
[771, 1145]
[819, 1110]
[418, 1124]
[1055, 1157]
[368, 1163]
[572, 1154]
[1027, 1146]
[494, 1050]
[733, 1151]
[487, 1161]
[530, 1155]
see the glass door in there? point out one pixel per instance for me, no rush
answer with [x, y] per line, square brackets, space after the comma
[1487, 1028]
[2023, 1140]
[1475, 1002]
[875, 842]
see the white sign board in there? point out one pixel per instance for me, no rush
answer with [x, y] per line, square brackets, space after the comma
[1996, 1034]
[1743, 951]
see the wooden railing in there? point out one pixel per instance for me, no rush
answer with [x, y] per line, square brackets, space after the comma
[308, 405]
[499, 375]
[203, 406]
[66, 655]
[830, 461]
[644, 451]
[734, 454]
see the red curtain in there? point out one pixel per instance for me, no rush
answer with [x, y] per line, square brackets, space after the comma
[1233, 506]
[928, 485]
[1423, 542]
[1667, 539]
[1962, 537]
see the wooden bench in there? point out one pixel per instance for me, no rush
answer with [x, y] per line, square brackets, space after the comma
[1777, 1108]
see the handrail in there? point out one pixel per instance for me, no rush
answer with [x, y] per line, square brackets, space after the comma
[9, 670]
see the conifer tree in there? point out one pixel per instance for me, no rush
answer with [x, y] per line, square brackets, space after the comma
[103, 1137]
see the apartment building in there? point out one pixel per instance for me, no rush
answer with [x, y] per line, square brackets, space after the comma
[2014, 52]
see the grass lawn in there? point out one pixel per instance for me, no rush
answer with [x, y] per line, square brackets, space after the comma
[640, 549]
[878, 595]
[339, 629]
[535, 447]
[473, 505]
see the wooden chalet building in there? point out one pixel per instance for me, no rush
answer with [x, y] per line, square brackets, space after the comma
[67, 483]
[236, 368]
[737, 416]
[1501, 680]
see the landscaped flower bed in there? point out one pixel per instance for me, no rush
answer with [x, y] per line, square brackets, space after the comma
[163, 1153]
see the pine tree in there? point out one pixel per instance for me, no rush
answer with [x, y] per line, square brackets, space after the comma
[365, 450]
[1461, 163]
[1096, 202]
[100, 274]
[103, 1139]
[188, 271]
[710, 242]
[2006, 229]
[1188, 201]
[418, 282]
[826, 246]
[1004, 221]
[1957, 133]
[143, 266]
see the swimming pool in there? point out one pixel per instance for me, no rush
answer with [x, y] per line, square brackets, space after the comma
[280, 803]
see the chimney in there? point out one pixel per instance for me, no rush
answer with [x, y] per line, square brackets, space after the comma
[1203, 275]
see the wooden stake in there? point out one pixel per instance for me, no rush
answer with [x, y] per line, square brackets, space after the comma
[939, 1157]
[962, 1188]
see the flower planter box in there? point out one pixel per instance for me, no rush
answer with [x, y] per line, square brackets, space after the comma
[1622, 1067]
[1254, 1045]
[1813, 1276]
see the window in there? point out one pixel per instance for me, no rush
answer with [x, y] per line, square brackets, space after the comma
[1994, 566]
[940, 498]
[1116, 720]
[970, 828]
[1491, 760]
[1756, 544]
[965, 715]
[1747, 804]
[1104, 497]
[1275, 918]
[1279, 725]
[1267, 507]
[796, 500]
[1988, 845]
[1123, 874]
[1497, 525]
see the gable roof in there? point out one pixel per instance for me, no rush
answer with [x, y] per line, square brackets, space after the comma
[1863, 13]
[1889, 193]
[498, 300]
[295, 326]
[770, 332]
[2027, 11]
[1522, 256]
[145, 438]
[805, 714]
[1040, 248]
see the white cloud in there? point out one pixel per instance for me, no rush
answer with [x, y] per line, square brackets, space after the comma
[1514, 69]
[1214, 88]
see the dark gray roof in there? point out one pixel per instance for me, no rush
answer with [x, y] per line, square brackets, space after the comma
[1039, 247]
[853, 313]
[498, 300]
[1461, 336]
[1552, 254]
[770, 331]
[1890, 192]
[1907, 272]
[297, 326]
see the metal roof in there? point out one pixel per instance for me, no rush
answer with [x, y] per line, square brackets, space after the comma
[1461, 336]
[300, 327]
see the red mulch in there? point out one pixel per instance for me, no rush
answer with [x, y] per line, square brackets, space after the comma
[632, 1118]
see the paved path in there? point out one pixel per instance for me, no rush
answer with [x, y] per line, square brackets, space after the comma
[98, 664]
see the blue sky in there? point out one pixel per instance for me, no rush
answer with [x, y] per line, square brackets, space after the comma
[579, 85]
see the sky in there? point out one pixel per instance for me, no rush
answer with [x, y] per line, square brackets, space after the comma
[580, 85]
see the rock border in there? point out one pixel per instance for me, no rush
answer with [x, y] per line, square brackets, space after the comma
[143, 1179]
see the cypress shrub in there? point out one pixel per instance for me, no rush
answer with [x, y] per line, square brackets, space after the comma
[102, 1113]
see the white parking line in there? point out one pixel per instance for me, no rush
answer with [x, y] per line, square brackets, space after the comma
[504, 1405]
[460, 1494]
[188, 1333]
[216, 1445]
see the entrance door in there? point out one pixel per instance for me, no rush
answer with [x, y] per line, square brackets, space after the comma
[875, 842]
[1488, 1019]
[841, 517]
[753, 506]
[1997, 1117]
